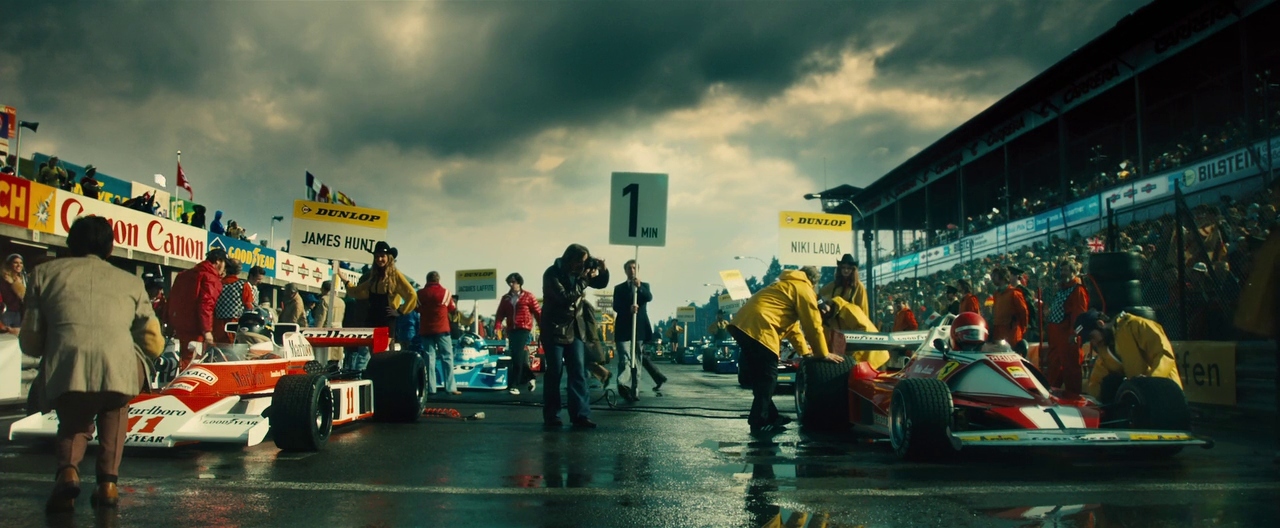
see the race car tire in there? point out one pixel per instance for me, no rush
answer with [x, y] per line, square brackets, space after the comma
[399, 386]
[1155, 404]
[708, 360]
[1117, 266]
[1119, 294]
[301, 414]
[1145, 312]
[920, 420]
[314, 367]
[822, 394]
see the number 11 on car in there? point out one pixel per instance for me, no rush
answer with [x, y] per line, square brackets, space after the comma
[638, 209]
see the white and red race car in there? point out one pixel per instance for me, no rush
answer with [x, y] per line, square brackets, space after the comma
[239, 393]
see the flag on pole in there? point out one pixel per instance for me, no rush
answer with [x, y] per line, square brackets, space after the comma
[323, 196]
[344, 199]
[183, 183]
[313, 186]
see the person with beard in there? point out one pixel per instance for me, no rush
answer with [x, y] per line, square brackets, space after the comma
[389, 295]
[846, 285]
[564, 284]
[1130, 347]
[1069, 301]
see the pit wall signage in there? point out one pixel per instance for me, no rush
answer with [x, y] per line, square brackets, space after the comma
[813, 239]
[134, 230]
[247, 254]
[15, 201]
[338, 232]
[301, 270]
[1208, 370]
[477, 285]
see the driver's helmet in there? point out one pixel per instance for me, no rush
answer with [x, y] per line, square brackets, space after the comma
[152, 280]
[968, 332]
[251, 321]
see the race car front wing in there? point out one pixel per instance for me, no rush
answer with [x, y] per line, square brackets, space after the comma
[166, 421]
[1077, 438]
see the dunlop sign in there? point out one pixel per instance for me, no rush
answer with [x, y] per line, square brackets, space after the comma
[339, 232]
[813, 239]
[687, 314]
[736, 285]
[476, 285]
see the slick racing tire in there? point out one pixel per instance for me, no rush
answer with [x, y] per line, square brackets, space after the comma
[1154, 404]
[301, 412]
[1119, 294]
[822, 394]
[1145, 312]
[1117, 266]
[399, 386]
[920, 420]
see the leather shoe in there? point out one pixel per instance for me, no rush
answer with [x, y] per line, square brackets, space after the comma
[106, 496]
[555, 422]
[658, 387]
[584, 423]
[66, 488]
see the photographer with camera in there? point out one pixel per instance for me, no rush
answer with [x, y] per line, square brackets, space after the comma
[563, 334]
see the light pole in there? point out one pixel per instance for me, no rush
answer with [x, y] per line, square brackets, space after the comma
[274, 219]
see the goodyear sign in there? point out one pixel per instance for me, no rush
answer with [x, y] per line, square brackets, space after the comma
[339, 232]
[248, 255]
[475, 285]
[813, 239]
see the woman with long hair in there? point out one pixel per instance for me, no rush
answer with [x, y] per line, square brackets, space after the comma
[12, 289]
[389, 296]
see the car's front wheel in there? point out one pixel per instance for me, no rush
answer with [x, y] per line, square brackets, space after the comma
[301, 413]
[920, 419]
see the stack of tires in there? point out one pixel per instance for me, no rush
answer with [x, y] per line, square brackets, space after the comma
[1118, 288]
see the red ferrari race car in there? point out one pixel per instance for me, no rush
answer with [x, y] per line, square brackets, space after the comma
[237, 393]
[942, 401]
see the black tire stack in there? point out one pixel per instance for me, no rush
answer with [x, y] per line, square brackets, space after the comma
[1116, 278]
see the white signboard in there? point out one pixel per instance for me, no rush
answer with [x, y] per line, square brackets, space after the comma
[687, 314]
[729, 305]
[638, 209]
[135, 230]
[477, 285]
[334, 231]
[813, 239]
[736, 285]
[301, 270]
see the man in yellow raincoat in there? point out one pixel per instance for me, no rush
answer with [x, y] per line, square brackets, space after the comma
[758, 328]
[1129, 347]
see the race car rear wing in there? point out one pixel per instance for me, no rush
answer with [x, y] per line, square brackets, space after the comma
[884, 340]
[378, 339]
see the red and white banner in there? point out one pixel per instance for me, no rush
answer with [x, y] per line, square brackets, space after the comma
[133, 229]
[300, 270]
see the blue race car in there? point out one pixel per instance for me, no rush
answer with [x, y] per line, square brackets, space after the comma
[477, 364]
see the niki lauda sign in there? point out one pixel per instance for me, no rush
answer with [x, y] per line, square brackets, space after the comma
[338, 232]
[813, 239]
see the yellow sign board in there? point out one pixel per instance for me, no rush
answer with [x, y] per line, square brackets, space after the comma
[1208, 370]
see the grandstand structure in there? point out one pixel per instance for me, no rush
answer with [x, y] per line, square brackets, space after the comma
[1174, 107]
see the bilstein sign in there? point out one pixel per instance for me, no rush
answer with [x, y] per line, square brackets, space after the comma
[333, 231]
[813, 239]
[477, 284]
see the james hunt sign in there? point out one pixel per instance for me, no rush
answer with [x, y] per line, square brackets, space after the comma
[339, 232]
[813, 239]
[133, 229]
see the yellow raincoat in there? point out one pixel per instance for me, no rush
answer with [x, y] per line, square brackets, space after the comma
[850, 316]
[1141, 349]
[769, 313]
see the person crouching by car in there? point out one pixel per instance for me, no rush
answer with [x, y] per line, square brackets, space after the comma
[92, 325]
[1130, 347]
[758, 328]
[563, 287]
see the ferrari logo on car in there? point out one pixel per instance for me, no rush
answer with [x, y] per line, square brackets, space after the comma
[948, 369]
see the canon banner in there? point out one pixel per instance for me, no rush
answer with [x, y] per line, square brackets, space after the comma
[134, 230]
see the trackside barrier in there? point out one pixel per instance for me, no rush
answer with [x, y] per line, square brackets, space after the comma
[1256, 375]
[1227, 381]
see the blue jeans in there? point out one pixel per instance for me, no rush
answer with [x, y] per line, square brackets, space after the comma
[561, 358]
[358, 359]
[438, 346]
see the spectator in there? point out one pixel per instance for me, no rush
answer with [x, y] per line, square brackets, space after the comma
[12, 290]
[155, 293]
[333, 354]
[256, 276]
[52, 174]
[216, 226]
[1130, 347]
[1069, 301]
[234, 230]
[758, 327]
[518, 309]
[10, 164]
[1009, 322]
[389, 295]
[435, 306]
[630, 301]
[197, 216]
[235, 298]
[293, 311]
[309, 304]
[846, 284]
[91, 324]
[192, 299]
[953, 301]
[564, 284]
[905, 320]
[969, 301]
[89, 185]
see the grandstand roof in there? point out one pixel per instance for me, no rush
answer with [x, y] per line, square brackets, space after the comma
[1130, 31]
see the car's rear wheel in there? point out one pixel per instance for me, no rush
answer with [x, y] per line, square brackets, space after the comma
[399, 386]
[920, 419]
[301, 413]
[1156, 404]
[709, 359]
[822, 394]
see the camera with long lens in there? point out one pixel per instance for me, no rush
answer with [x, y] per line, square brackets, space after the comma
[592, 263]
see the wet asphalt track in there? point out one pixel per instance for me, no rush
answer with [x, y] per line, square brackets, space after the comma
[652, 466]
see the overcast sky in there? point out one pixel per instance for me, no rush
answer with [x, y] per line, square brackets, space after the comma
[489, 129]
